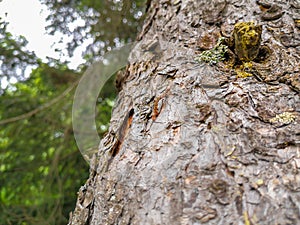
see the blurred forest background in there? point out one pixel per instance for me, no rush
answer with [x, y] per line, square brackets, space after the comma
[41, 168]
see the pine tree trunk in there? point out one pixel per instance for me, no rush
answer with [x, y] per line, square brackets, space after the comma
[203, 143]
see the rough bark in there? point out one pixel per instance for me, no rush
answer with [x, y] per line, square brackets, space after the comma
[192, 143]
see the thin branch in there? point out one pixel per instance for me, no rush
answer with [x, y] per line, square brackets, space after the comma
[42, 107]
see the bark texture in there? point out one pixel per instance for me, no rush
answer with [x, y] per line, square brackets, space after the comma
[192, 143]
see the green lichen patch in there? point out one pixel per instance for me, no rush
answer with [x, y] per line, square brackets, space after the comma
[214, 55]
[285, 118]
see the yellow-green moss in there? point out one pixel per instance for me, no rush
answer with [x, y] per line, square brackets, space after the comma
[246, 218]
[260, 182]
[285, 117]
[241, 70]
[247, 39]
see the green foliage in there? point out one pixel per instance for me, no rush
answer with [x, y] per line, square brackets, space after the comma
[104, 105]
[41, 168]
[14, 58]
[110, 23]
[40, 165]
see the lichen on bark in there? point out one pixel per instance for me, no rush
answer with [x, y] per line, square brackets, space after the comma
[214, 55]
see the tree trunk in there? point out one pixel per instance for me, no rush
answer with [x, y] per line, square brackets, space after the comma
[203, 143]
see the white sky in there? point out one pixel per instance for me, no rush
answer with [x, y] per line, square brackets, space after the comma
[27, 18]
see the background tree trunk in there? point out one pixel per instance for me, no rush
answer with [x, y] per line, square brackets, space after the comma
[191, 143]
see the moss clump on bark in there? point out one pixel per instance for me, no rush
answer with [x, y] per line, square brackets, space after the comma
[247, 40]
